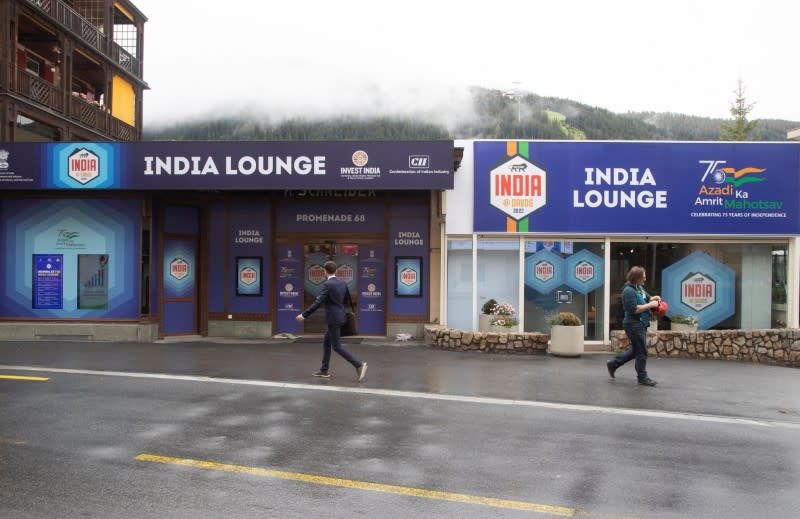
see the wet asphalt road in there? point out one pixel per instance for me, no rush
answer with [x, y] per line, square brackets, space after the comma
[715, 439]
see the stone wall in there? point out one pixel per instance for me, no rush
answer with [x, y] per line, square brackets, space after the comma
[487, 342]
[780, 347]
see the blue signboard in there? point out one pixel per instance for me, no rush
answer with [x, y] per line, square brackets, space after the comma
[289, 275]
[584, 271]
[249, 276]
[637, 187]
[229, 165]
[48, 281]
[372, 290]
[701, 286]
[544, 271]
[330, 218]
[98, 243]
[408, 276]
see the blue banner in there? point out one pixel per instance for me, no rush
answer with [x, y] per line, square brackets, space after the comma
[408, 276]
[637, 187]
[372, 290]
[584, 271]
[289, 275]
[544, 271]
[249, 276]
[48, 281]
[190, 165]
[77, 230]
[701, 286]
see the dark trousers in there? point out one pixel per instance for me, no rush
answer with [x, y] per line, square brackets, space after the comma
[333, 340]
[637, 335]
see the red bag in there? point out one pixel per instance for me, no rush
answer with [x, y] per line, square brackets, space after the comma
[662, 308]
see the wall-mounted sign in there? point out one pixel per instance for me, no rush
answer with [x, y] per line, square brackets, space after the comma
[93, 276]
[584, 271]
[637, 187]
[700, 285]
[243, 165]
[544, 271]
[48, 281]
[249, 276]
[289, 280]
[408, 276]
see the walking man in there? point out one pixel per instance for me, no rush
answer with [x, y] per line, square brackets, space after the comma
[332, 296]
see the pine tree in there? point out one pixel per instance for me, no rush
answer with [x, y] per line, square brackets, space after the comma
[740, 129]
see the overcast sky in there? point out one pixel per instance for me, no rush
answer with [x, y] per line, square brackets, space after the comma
[372, 57]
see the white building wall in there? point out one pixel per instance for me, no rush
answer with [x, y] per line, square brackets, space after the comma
[459, 200]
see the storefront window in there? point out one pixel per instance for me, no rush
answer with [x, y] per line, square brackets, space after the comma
[721, 285]
[459, 284]
[498, 272]
[564, 276]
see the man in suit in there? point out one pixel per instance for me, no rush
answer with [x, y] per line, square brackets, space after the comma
[332, 296]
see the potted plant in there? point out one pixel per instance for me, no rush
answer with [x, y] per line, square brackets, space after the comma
[503, 320]
[683, 323]
[485, 319]
[653, 325]
[566, 335]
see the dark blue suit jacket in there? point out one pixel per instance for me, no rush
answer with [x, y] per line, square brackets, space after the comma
[332, 296]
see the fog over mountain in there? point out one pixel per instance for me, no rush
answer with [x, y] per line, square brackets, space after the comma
[476, 112]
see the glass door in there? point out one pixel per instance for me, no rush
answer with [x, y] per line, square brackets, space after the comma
[316, 253]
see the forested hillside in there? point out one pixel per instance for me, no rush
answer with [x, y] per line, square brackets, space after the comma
[492, 115]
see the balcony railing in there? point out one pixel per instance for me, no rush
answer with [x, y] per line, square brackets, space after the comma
[77, 108]
[89, 33]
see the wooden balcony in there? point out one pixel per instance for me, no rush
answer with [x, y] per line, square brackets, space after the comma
[81, 28]
[72, 106]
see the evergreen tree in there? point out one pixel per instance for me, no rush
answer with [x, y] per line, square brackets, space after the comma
[740, 129]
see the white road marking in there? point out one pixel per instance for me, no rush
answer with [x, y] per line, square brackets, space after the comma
[672, 415]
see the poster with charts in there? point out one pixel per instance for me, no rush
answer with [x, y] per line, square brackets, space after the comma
[92, 281]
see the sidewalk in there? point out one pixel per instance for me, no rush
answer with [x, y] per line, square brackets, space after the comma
[690, 386]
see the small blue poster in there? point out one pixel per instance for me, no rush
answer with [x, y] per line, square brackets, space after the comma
[48, 281]
[408, 276]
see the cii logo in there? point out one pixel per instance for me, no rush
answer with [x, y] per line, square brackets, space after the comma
[419, 161]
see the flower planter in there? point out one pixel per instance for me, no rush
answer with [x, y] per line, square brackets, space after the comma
[502, 329]
[566, 341]
[652, 327]
[682, 327]
[485, 322]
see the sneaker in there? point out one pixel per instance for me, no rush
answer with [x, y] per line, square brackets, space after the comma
[612, 367]
[321, 374]
[647, 382]
[362, 371]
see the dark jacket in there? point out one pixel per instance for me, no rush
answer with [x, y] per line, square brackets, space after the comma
[632, 296]
[332, 296]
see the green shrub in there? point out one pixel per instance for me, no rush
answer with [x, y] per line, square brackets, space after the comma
[566, 319]
[487, 306]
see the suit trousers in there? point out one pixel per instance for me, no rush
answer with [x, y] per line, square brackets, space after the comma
[333, 340]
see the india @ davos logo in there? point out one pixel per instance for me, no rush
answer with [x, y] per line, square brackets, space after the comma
[518, 187]
[83, 166]
[179, 268]
[248, 276]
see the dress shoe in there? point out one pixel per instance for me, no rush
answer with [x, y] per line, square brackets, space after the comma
[612, 367]
[647, 382]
